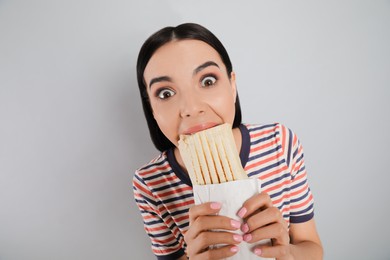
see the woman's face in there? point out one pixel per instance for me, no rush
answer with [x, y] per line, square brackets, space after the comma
[189, 89]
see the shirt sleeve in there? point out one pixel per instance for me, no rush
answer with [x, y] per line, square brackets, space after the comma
[301, 198]
[163, 242]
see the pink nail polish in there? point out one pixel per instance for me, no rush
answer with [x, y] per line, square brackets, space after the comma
[235, 223]
[237, 238]
[215, 205]
[258, 251]
[234, 249]
[245, 228]
[247, 237]
[241, 212]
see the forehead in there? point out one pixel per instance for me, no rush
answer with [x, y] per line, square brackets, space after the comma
[181, 55]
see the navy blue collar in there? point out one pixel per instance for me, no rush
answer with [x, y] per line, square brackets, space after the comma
[244, 155]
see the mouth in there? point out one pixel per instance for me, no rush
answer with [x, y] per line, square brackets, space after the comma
[199, 127]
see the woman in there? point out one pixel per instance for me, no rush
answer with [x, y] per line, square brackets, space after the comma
[187, 84]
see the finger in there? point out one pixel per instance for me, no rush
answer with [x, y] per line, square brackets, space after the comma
[211, 238]
[204, 223]
[208, 208]
[264, 218]
[272, 251]
[253, 204]
[276, 231]
[216, 222]
[219, 253]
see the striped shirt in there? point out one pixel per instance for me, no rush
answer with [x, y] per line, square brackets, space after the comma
[272, 153]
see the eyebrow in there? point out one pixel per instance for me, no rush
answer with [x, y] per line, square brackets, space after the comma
[159, 79]
[205, 65]
[197, 70]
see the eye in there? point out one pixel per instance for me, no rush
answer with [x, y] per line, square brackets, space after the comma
[208, 81]
[165, 93]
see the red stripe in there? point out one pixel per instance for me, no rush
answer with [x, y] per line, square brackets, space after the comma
[260, 147]
[164, 241]
[286, 209]
[163, 208]
[295, 139]
[168, 223]
[148, 216]
[247, 168]
[149, 229]
[162, 180]
[178, 205]
[154, 169]
[139, 187]
[300, 176]
[159, 251]
[176, 191]
[284, 136]
[296, 168]
[293, 167]
[182, 218]
[304, 188]
[176, 232]
[275, 187]
[307, 201]
[264, 132]
[145, 207]
[276, 202]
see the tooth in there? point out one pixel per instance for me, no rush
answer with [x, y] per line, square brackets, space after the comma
[211, 156]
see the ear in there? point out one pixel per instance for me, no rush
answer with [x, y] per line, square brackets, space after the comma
[233, 85]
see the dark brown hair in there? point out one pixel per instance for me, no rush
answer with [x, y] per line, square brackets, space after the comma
[155, 41]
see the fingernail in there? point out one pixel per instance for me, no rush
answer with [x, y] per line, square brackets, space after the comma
[235, 223]
[245, 228]
[258, 251]
[237, 238]
[241, 212]
[247, 237]
[234, 249]
[215, 205]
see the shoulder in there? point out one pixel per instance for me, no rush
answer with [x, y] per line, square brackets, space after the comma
[156, 165]
[272, 130]
[273, 134]
[261, 130]
[284, 141]
[149, 175]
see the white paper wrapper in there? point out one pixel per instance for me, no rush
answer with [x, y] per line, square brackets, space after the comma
[232, 195]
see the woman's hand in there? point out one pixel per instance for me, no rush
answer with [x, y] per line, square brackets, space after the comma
[199, 237]
[263, 221]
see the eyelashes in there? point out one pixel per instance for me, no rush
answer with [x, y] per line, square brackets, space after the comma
[208, 80]
[165, 93]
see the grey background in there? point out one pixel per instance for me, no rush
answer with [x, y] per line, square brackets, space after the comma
[72, 130]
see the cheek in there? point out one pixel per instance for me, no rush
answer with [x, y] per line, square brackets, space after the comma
[162, 116]
[165, 121]
[225, 107]
[165, 125]
[163, 108]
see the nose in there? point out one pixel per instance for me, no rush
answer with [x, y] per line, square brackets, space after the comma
[191, 106]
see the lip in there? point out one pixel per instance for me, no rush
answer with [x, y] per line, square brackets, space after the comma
[199, 127]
